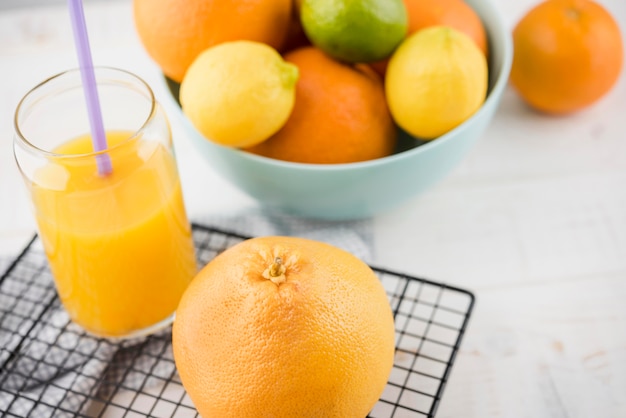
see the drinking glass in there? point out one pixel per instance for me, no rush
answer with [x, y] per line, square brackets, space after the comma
[119, 244]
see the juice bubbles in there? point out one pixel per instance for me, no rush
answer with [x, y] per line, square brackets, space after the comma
[119, 246]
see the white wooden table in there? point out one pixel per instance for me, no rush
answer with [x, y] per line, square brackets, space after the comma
[533, 221]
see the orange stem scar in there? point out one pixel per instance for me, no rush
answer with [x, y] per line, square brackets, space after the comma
[276, 271]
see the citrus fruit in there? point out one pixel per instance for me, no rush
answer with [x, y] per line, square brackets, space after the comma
[436, 79]
[355, 30]
[284, 327]
[454, 13]
[239, 93]
[175, 32]
[567, 55]
[340, 114]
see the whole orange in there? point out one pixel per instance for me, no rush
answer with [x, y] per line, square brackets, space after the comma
[284, 327]
[568, 54]
[340, 114]
[175, 32]
[453, 13]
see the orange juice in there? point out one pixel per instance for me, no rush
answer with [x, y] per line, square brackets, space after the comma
[119, 246]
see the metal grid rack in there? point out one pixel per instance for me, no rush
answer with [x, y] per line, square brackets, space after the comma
[50, 368]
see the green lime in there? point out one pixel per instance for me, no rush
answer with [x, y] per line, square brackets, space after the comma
[355, 30]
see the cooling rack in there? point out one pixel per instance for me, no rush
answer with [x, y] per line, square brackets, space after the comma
[50, 368]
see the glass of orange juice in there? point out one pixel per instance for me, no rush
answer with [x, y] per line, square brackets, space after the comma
[119, 244]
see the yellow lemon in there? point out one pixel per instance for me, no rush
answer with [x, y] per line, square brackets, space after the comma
[239, 93]
[436, 79]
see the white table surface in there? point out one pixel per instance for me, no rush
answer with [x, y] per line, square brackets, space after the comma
[533, 221]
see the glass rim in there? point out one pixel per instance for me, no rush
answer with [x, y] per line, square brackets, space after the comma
[20, 139]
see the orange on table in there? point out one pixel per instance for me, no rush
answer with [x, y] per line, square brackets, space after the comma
[567, 55]
[175, 32]
[454, 13]
[340, 114]
[284, 327]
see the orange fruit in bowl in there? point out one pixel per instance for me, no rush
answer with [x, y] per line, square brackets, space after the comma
[340, 114]
[567, 55]
[284, 327]
[175, 32]
[456, 14]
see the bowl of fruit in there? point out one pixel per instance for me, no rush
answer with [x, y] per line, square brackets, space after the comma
[333, 109]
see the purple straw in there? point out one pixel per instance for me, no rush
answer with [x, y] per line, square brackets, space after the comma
[98, 136]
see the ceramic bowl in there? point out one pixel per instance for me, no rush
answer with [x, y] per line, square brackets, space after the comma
[364, 189]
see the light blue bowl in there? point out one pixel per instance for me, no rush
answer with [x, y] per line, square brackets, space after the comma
[360, 190]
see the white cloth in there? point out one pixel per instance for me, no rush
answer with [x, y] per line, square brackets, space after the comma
[353, 236]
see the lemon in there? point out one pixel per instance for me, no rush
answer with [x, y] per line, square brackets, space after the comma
[355, 30]
[436, 79]
[239, 93]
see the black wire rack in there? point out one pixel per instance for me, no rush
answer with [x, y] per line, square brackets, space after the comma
[49, 367]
